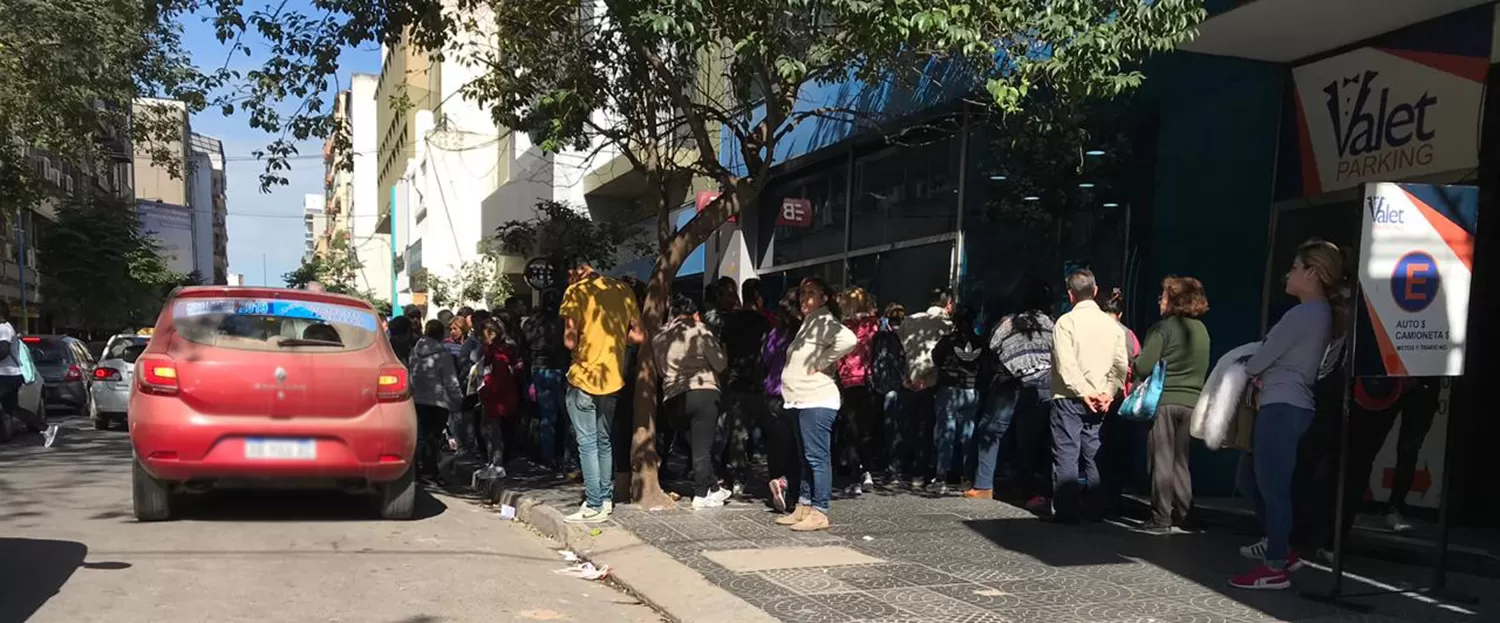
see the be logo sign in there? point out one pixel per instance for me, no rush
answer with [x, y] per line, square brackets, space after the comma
[1376, 115]
[795, 213]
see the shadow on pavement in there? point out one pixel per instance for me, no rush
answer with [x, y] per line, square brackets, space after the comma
[273, 506]
[32, 571]
[1207, 560]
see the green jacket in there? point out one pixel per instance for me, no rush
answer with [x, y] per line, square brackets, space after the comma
[1183, 344]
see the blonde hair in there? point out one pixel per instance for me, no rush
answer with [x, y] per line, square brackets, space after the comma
[1326, 262]
[856, 303]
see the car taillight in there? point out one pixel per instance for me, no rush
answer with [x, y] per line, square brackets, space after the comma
[392, 386]
[157, 375]
[73, 374]
[106, 374]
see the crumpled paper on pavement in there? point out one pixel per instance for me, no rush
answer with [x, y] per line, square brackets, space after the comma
[585, 571]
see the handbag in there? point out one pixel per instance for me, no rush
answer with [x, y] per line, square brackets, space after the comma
[1140, 404]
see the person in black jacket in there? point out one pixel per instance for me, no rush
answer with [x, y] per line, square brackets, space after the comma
[744, 393]
[959, 358]
[887, 378]
[548, 359]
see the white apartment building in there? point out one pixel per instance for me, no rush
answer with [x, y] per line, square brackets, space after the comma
[314, 224]
[210, 236]
[358, 191]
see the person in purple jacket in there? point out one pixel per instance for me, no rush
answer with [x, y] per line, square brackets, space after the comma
[784, 451]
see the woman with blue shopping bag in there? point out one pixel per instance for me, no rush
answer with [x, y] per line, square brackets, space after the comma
[1172, 366]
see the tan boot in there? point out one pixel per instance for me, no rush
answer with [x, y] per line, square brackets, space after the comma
[814, 521]
[798, 514]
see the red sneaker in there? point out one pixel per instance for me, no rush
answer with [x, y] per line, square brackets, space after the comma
[1038, 504]
[1263, 578]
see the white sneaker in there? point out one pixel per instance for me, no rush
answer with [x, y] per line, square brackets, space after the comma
[1397, 522]
[854, 490]
[49, 436]
[738, 490]
[708, 501]
[868, 484]
[1254, 551]
[721, 494]
[587, 515]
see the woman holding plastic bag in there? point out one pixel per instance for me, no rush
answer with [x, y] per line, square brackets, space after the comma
[1284, 368]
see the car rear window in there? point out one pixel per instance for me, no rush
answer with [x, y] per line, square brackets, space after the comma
[49, 352]
[127, 348]
[274, 324]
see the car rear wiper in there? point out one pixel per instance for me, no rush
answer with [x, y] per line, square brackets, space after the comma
[306, 342]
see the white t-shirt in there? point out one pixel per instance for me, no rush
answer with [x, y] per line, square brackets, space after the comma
[9, 366]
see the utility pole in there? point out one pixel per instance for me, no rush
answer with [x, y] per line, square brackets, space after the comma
[21, 269]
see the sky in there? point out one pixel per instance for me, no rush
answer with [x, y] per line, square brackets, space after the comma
[265, 229]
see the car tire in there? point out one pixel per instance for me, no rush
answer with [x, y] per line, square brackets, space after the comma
[398, 498]
[100, 422]
[152, 498]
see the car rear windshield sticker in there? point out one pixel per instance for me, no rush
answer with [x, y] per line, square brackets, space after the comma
[308, 310]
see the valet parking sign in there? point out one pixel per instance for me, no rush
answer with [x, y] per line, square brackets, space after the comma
[1415, 266]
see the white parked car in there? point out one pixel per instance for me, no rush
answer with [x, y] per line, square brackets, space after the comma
[113, 377]
[30, 400]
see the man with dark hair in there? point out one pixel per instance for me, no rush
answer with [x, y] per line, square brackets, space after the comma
[601, 319]
[744, 397]
[445, 316]
[1090, 362]
[518, 305]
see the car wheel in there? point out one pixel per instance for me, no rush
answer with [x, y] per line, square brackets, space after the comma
[99, 421]
[398, 498]
[152, 497]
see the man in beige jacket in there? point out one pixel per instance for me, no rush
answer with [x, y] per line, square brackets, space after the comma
[1090, 361]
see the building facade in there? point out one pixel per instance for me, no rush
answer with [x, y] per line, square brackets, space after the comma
[314, 226]
[210, 210]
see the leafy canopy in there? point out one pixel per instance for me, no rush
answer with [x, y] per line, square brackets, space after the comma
[102, 270]
[71, 69]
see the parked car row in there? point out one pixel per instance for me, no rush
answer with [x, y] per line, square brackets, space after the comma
[67, 376]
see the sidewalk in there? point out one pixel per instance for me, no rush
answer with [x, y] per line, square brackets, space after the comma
[900, 556]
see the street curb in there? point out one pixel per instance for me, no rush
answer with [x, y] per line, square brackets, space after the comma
[649, 574]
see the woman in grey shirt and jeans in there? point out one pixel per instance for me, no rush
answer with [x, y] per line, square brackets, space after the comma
[1285, 368]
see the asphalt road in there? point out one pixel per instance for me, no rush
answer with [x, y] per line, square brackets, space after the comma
[70, 550]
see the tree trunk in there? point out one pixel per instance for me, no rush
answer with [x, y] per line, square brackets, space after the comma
[645, 463]
[674, 248]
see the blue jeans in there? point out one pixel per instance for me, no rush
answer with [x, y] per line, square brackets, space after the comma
[1004, 406]
[549, 406]
[816, 426]
[1075, 448]
[592, 417]
[1265, 475]
[956, 408]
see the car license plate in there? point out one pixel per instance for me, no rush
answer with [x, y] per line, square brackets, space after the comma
[296, 449]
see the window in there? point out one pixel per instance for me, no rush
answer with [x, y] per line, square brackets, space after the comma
[274, 324]
[123, 347]
[905, 193]
[906, 276]
[824, 234]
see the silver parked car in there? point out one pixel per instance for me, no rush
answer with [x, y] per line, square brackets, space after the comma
[112, 379]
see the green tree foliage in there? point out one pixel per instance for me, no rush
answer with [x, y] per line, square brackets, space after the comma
[336, 269]
[71, 69]
[477, 281]
[681, 80]
[101, 269]
[560, 231]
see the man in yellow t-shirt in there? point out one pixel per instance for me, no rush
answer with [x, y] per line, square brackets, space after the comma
[602, 320]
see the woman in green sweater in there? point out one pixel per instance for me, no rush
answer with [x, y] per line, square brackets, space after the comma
[1180, 341]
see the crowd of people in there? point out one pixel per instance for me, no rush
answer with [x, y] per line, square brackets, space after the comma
[823, 386]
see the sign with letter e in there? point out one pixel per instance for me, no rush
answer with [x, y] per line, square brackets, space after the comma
[1415, 262]
[795, 213]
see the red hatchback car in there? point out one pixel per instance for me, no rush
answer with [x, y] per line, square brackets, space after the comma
[263, 387]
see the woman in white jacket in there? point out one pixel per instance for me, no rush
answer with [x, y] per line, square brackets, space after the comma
[810, 391]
